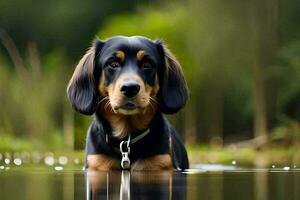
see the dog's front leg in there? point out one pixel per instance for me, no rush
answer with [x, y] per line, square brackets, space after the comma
[158, 162]
[102, 162]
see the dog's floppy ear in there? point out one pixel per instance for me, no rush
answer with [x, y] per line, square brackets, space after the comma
[82, 89]
[173, 92]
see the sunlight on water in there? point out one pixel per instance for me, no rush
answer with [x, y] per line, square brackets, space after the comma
[209, 167]
[38, 160]
[202, 180]
[49, 161]
[17, 161]
[7, 161]
[58, 168]
[63, 160]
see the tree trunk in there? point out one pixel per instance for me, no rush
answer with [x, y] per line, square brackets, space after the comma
[265, 29]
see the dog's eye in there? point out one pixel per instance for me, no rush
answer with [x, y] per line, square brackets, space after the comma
[146, 65]
[114, 64]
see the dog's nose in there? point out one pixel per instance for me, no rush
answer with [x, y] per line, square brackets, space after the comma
[130, 88]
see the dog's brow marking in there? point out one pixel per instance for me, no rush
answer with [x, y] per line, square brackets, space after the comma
[140, 54]
[120, 54]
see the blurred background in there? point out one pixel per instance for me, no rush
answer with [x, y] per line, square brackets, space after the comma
[241, 60]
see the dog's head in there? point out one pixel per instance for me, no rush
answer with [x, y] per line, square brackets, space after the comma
[131, 74]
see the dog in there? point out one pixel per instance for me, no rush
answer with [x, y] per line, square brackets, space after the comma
[129, 83]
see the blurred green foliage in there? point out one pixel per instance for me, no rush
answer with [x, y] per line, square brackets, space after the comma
[218, 43]
[67, 25]
[32, 101]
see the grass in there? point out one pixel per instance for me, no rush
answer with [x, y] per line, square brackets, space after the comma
[266, 157]
[12, 144]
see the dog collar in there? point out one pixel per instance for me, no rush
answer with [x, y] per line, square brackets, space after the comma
[114, 142]
[140, 136]
[132, 141]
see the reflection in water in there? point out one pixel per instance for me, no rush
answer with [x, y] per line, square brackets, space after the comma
[261, 185]
[49, 184]
[136, 185]
[125, 185]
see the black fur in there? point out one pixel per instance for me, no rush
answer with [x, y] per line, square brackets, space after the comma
[156, 142]
[84, 94]
[82, 89]
[173, 92]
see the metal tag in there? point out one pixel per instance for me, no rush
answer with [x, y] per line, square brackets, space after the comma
[125, 162]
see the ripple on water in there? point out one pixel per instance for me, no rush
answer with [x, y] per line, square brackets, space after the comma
[63, 160]
[211, 167]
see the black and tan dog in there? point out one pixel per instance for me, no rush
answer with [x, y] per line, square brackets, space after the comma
[129, 82]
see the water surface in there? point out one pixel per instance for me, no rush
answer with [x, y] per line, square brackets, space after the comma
[214, 182]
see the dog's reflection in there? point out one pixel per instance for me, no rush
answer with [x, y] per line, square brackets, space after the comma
[136, 185]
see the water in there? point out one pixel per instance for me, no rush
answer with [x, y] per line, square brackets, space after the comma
[214, 182]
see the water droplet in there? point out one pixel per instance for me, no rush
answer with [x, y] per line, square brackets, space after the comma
[58, 168]
[286, 168]
[17, 161]
[273, 166]
[233, 162]
[76, 161]
[1, 167]
[49, 160]
[63, 160]
[7, 161]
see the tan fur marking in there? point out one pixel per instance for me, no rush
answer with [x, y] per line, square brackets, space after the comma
[140, 54]
[123, 124]
[158, 162]
[120, 55]
[155, 90]
[102, 162]
[152, 90]
[102, 88]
